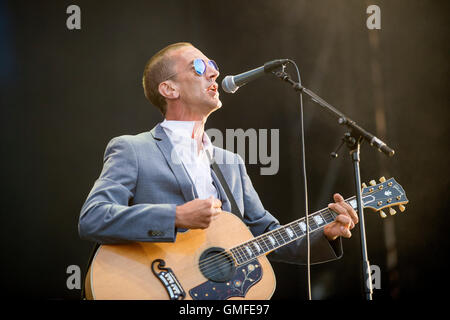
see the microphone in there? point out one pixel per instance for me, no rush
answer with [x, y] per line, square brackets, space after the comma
[230, 84]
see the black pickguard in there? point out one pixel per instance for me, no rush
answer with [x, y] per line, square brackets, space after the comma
[243, 279]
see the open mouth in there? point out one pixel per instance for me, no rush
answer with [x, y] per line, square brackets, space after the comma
[214, 88]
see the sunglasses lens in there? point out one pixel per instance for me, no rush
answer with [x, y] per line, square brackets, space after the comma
[199, 66]
[213, 64]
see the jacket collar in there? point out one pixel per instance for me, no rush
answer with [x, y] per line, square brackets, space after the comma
[174, 162]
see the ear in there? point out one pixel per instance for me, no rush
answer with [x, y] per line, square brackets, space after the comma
[168, 89]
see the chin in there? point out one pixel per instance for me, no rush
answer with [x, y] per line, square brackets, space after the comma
[216, 105]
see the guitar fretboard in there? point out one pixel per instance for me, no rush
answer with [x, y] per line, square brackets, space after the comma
[283, 235]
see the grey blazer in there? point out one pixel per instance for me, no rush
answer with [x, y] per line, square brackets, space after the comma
[142, 182]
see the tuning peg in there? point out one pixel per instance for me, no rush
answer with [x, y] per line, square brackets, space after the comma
[364, 185]
[392, 211]
[372, 182]
[382, 179]
[401, 207]
[382, 214]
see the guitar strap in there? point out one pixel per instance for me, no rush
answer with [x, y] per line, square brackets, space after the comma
[234, 208]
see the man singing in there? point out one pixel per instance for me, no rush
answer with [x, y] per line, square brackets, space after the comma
[159, 182]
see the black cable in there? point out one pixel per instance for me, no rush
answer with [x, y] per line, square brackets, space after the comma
[305, 183]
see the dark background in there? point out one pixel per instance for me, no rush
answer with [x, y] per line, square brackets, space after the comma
[65, 94]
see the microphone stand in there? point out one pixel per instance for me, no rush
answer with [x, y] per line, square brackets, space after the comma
[353, 140]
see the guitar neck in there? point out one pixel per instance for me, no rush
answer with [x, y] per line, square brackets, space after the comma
[284, 235]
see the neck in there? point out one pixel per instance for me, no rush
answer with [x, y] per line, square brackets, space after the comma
[283, 235]
[198, 130]
[182, 114]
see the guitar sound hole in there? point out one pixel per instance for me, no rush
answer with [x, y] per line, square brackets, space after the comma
[216, 265]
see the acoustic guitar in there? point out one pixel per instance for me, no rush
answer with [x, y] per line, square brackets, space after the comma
[223, 261]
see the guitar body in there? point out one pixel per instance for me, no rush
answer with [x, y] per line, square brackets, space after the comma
[133, 271]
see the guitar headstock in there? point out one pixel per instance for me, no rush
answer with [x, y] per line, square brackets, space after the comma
[386, 194]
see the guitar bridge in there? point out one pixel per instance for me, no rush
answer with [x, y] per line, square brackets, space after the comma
[168, 280]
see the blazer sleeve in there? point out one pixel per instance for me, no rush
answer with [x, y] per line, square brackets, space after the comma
[107, 217]
[260, 221]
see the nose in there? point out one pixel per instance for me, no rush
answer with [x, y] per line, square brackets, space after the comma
[211, 72]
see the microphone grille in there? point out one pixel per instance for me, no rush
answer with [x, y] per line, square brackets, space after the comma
[228, 84]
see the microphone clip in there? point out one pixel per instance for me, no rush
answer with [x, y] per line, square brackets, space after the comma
[284, 76]
[280, 73]
[348, 139]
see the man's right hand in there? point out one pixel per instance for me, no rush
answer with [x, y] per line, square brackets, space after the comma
[197, 214]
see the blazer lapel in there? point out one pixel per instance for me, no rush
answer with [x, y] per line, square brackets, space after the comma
[174, 162]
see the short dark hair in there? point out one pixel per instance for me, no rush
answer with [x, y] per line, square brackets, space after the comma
[157, 70]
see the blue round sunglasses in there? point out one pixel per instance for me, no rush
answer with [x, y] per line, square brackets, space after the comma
[200, 67]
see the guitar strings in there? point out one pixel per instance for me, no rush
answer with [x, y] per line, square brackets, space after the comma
[210, 270]
[212, 261]
[327, 211]
[240, 254]
[211, 264]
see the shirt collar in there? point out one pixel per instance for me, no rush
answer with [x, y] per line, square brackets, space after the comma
[184, 129]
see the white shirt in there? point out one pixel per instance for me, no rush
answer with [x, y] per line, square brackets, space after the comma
[196, 163]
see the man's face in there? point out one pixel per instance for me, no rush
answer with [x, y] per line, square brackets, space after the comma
[199, 93]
